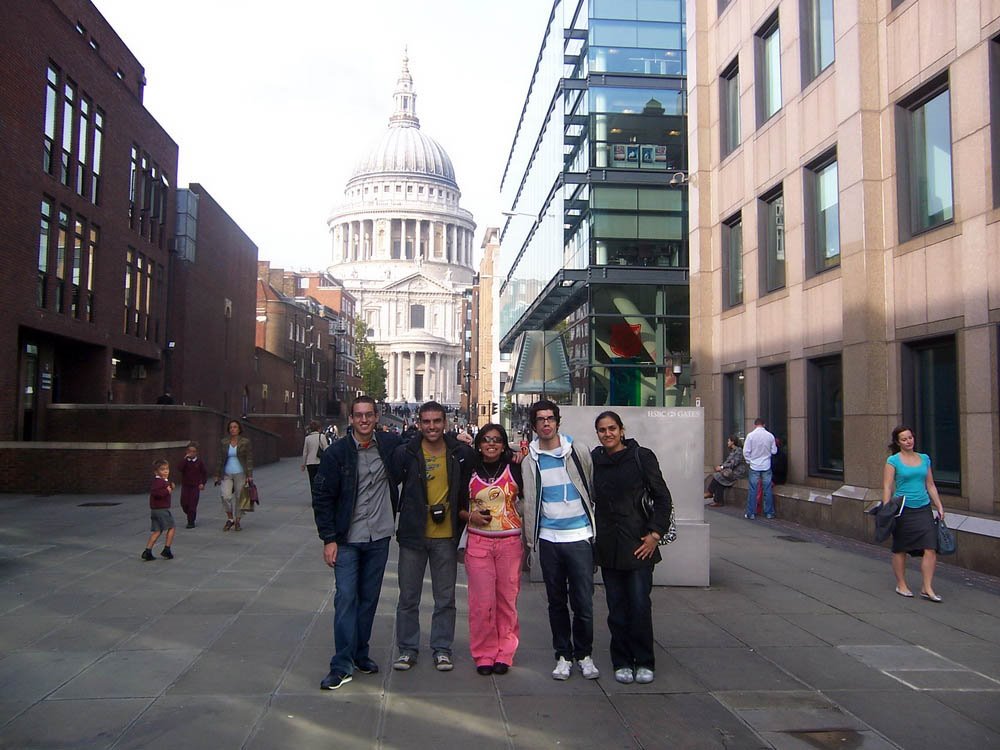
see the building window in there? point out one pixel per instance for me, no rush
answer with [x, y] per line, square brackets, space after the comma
[826, 417]
[768, 53]
[416, 316]
[734, 404]
[923, 159]
[995, 116]
[817, 38]
[44, 233]
[729, 108]
[51, 103]
[771, 240]
[930, 405]
[732, 261]
[69, 98]
[62, 248]
[774, 401]
[822, 214]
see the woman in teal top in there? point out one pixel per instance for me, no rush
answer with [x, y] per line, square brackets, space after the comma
[908, 474]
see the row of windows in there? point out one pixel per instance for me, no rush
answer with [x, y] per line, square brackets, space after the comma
[67, 248]
[821, 237]
[439, 193]
[149, 188]
[929, 390]
[73, 136]
[817, 54]
[923, 121]
[143, 286]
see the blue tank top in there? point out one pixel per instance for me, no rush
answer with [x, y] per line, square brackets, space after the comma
[911, 481]
[233, 465]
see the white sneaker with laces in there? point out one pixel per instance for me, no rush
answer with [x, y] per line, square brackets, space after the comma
[589, 669]
[562, 670]
[624, 675]
[644, 675]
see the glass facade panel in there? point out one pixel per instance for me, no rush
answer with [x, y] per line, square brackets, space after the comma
[931, 406]
[825, 218]
[769, 73]
[817, 37]
[734, 404]
[772, 244]
[826, 417]
[930, 180]
[729, 102]
[732, 262]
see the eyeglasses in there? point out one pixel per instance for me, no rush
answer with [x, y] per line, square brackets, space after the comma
[493, 439]
[364, 416]
[543, 420]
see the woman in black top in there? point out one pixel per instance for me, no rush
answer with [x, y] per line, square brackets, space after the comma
[627, 540]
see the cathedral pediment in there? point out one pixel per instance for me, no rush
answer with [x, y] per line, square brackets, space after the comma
[418, 282]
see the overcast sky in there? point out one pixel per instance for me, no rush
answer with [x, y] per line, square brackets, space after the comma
[272, 103]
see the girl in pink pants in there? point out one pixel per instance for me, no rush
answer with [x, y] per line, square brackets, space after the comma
[493, 553]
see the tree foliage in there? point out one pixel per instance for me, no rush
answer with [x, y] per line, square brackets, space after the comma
[371, 365]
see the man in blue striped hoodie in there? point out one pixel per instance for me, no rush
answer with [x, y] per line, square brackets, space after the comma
[559, 524]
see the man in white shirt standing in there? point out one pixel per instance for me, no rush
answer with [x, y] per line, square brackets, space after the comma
[758, 449]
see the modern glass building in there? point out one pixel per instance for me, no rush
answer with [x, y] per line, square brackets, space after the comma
[593, 265]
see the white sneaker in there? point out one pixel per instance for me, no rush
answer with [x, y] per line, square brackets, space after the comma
[644, 675]
[589, 669]
[624, 675]
[562, 670]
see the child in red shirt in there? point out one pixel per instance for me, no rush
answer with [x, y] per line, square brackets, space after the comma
[194, 474]
[159, 511]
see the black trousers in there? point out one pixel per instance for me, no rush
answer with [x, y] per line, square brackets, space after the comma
[630, 616]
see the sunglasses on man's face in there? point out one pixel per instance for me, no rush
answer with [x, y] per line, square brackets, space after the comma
[494, 439]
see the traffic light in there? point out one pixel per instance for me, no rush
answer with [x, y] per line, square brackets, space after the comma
[494, 407]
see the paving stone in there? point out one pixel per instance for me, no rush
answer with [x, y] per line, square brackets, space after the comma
[788, 711]
[733, 668]
[178, 631]
[898, 657]
[981, 707]
[678, 630]
[946, 679]
[34, 674]
[84, 635]
[252, 633]
[758, 630]
[920, 629]
[321, 721]
[237, 674]
[695, 721]
[572, 721]
[414, 721]
[64, 724]
[128, 674]
[915, 720]
[827, 668]
[211, 603]
[18, 631]
[842, 629]
[204, 721]
[865, 740]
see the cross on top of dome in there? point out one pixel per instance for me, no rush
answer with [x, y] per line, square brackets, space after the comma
[405, 115]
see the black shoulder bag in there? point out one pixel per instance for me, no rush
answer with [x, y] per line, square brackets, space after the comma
[647, 507]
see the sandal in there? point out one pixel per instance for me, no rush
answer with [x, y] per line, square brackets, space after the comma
[229, 525]
[236, 527]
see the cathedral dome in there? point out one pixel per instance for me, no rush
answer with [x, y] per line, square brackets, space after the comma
[405, 149]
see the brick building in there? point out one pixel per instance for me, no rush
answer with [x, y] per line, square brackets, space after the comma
[298, 323]
[209, 354]
[86, 207]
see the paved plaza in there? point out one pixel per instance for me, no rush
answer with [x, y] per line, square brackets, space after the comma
[799, 642]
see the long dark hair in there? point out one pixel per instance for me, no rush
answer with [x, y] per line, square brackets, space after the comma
[505, 455]
[900, 429]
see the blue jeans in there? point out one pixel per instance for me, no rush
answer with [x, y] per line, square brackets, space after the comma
[358, 573]
[442, 554]
[630, 616]
[755, 478]
[568, 572]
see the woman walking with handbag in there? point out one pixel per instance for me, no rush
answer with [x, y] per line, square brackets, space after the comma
[234, 472]
[726, 474]
[627, 542]
[908, 474]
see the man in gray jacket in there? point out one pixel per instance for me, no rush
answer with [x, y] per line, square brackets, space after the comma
[559, 524]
